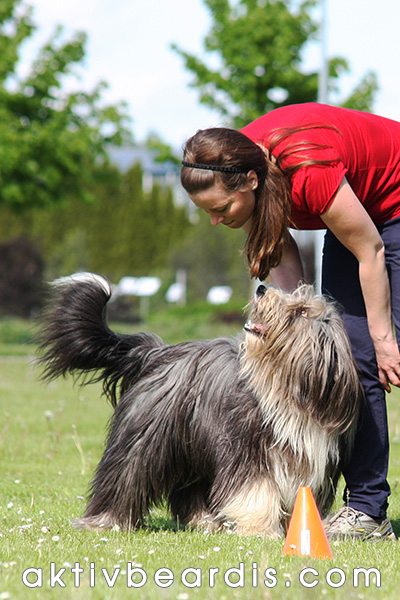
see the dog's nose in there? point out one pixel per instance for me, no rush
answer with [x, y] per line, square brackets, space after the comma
[261, 291]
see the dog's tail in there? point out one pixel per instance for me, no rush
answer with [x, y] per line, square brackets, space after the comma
[74, 336]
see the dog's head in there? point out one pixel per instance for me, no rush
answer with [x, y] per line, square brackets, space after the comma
[275, 311]
[296, 348]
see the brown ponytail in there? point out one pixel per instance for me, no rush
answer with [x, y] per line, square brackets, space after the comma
[270, 222]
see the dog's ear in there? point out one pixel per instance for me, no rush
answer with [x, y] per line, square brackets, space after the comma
[329, 388]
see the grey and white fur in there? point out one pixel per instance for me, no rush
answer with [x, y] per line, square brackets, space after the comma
[221, 430]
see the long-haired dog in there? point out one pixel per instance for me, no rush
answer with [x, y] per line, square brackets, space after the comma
[222, 430]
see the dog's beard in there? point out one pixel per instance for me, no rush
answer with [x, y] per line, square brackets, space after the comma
[296, 352]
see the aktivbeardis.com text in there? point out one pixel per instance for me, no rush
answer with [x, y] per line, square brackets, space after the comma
[249, 576]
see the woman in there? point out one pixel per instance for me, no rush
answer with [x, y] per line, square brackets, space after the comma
[312, 166]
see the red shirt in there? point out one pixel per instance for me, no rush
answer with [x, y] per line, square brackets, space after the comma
[368, 149]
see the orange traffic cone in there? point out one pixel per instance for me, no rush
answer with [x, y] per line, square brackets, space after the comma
[306, 535]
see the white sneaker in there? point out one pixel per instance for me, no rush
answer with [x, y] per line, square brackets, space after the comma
[349, 523]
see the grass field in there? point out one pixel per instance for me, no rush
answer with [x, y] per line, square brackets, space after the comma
[51, 438]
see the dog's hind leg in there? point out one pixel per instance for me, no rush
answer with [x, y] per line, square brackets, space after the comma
[189, 504]
[124, 487]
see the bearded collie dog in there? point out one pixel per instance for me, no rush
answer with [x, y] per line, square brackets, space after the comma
[222, 430]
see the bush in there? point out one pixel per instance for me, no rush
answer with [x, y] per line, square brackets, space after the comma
[21, 268]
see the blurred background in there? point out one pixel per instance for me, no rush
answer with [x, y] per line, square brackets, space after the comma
[97, 99]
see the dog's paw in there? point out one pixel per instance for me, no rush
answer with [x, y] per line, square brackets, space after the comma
[97, 522]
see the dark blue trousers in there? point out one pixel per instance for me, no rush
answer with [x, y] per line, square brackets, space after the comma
[367, 488]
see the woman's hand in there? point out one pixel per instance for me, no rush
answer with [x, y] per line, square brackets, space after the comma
[388, 359]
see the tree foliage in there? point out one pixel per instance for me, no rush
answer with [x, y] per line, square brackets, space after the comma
[258, 47]
[362, 96]
[210, 256]
[50, 140]
[21, 269]
[124, 231]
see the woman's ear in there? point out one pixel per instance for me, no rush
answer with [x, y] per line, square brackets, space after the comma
[252, 180]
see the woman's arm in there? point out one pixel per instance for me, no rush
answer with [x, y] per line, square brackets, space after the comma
[290, 271]
[351, 224]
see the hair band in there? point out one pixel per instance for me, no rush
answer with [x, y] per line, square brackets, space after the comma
[215, 167]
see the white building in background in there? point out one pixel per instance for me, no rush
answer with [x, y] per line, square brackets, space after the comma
[165, 174]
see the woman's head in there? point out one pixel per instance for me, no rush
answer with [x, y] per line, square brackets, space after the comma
[255, 187]
[221, 147]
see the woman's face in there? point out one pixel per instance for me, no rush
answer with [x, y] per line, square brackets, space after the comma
[233, 209]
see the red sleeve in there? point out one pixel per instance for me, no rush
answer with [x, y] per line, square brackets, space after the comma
[314, 187]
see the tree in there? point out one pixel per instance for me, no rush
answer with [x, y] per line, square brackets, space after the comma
[163, 151]
[21, 269]
[50, 140]
[211, 257]
[130, 232]
[122, 231]
[259, 44]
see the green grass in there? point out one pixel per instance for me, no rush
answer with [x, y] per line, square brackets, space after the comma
[51, 438]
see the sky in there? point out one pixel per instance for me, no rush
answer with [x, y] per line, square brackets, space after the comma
[129, 48]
